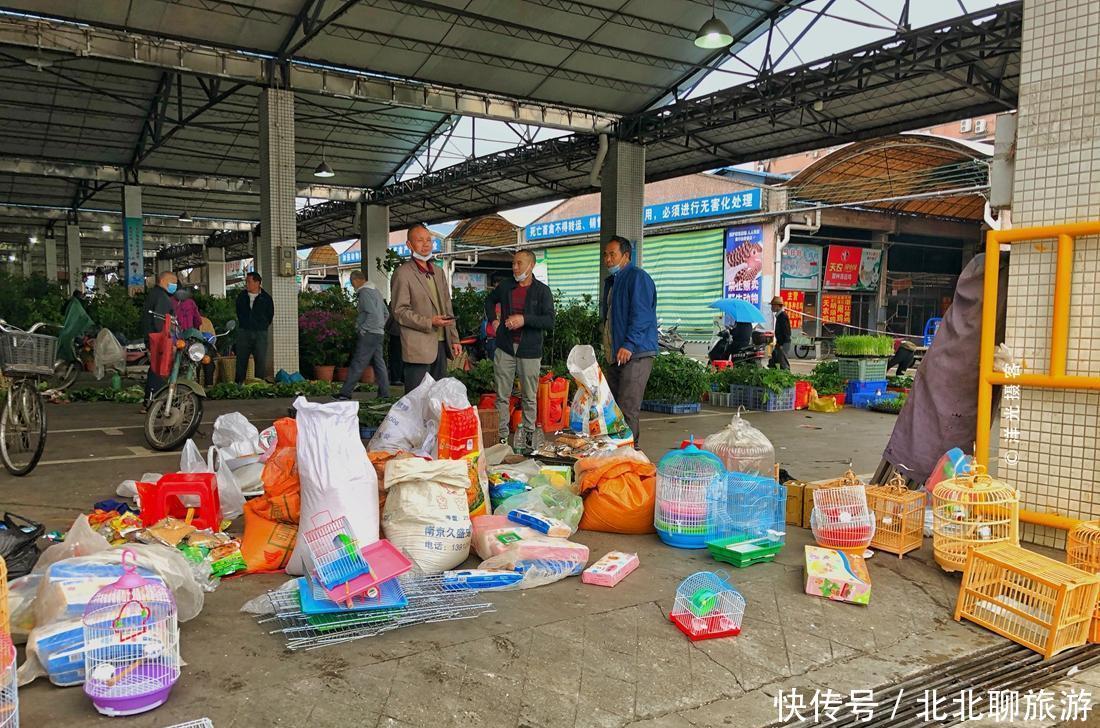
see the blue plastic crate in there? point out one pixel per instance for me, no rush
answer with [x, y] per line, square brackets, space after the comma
[761, 399]
[366, 433]
[865, 386]
[866, 400]
[671, 409]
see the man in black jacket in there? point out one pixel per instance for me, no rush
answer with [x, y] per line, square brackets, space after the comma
[255, 309]
[158, 303]
[782, 336]
[526, 313]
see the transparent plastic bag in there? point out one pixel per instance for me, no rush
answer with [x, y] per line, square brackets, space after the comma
[109, 355]
[447, 392]
[235, 436]
[542, 560]
[229, 492]
[742, 448]
[128, 488]
[547, 500]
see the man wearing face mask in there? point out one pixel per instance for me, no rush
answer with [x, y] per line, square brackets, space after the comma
[629, 318]
[255, 310]
[526, 314]
[421, 299]
[157, 301]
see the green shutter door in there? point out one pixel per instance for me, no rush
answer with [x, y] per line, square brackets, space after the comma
[574, 270]
[687, 270]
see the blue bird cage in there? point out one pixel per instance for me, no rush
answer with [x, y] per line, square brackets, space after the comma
[685, 477]
[747, 519]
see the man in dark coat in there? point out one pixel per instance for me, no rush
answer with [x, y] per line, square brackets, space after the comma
[255, 310]
[782, 349]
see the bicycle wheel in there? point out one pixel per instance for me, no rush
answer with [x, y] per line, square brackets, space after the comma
[22, 428]
[802, 351]
[64, 374]
[168, 428]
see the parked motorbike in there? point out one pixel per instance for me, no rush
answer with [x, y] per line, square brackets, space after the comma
[670, 340]
[741, 344]
[175, 411]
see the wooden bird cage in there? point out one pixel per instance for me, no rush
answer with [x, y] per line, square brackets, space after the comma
[899, 516]
[971, 510]
[1042, 604]
[1083, 552]
[849, 478]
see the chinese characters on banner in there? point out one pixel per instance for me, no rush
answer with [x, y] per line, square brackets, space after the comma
[836, 308]
[851, 268]
[1010, 414]
[795, 301]
[801, 270]
[744, 259]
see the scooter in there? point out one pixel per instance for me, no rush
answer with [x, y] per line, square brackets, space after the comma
[670, 340]
[740, 344]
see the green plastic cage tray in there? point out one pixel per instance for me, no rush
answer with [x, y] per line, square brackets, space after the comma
[742, 551]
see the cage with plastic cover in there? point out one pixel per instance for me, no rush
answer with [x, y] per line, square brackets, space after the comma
[899, 516]
[842, 520]
[9, 691]
[131, 638]
[742, 448]
[707, 606]
[1083, 552]
[970, 510]
[685, 477]
[747, 519]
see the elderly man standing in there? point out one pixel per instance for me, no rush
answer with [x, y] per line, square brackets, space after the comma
[629, 319]
[421, 300]
[158, 303]
[255, 310]
[369, 325]
[526, 314]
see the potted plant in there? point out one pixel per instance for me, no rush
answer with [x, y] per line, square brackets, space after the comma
[344, 345]
[676, 385]
[317, 329]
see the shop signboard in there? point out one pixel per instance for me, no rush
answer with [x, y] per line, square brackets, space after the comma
[850, 268]
[731, 203]
[133, 241]
[836, 308]
[795, 303]
[744, 259]
[465, 279]
[801, 268]
[351, 257]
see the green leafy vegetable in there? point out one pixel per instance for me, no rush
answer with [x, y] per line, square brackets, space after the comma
[826, 378]
[864, 346]
[677, 379]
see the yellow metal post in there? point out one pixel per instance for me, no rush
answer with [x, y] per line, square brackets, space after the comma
[989, 333]
[1063, 284]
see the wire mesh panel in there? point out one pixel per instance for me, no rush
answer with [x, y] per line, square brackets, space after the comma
[1083, 552]
[899, 516]
[841, 518]
[131, 656]
[1038, 602]
[9, 691]
[684, 479]
[707, 606]
[23, 353]
[428, 601]
[334, 552]
[971, 510]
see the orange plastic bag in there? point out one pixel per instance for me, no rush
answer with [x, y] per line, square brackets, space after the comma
[271, 521]
[619, 493]
[460, 439]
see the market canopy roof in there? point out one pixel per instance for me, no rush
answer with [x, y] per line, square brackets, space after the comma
[914, 174]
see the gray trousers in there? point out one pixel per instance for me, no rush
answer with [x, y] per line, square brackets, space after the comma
[505, 370]
[627, 383]
[254, 344]
[368, 353]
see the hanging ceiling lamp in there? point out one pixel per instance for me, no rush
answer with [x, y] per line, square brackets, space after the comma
[323, 169]
[713, 33]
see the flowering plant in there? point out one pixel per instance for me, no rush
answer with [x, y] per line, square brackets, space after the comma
[318, 337]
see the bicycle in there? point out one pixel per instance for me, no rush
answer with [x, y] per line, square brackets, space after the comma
[25, 358]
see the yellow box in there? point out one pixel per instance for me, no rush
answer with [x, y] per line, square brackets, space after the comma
[794, 502]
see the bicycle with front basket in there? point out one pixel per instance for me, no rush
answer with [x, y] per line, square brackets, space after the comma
[26, 357]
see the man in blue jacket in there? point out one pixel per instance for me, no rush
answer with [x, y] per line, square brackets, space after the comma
[629, 319]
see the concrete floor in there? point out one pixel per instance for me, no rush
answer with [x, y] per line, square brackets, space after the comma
[567, 654]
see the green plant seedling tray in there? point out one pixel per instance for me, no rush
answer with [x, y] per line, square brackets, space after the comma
[745, 552]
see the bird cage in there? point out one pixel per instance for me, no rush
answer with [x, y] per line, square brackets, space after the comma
[842, 520]
[1040, 603]
[899, 516]
[131, 654]
[9, 692]
[848, 479]
[747, 519]
[5, 614]
[684, 479]
[334, 552]
[969, 510]
[1083, 552]
[742, 448]
[707, 606]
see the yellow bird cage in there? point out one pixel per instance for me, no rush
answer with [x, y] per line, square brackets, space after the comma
[970, 510]
[1083, 552]
[1042, 604]
[899, 515]
[849, 478]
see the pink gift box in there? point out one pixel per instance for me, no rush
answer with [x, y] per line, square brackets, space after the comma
[612, 568]
[837, 576]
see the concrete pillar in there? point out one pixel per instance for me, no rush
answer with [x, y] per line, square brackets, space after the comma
[215, 272]
[24, 256]
[1054, 183]
[133, 243]
[161, 266]
[72, 256]
[278, 224]
[374, 241]
[878, 307]
[50, 248]
[622, 199]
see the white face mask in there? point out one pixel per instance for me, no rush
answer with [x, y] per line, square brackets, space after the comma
[422, 258]
[521, 278]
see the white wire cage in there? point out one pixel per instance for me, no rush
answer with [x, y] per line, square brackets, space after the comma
[742, 448]
[841, 518]
[198, 723]
[685, 477]
[747, 507]
[334, 551]
[707, 606]
[131, 638]
[9, 690]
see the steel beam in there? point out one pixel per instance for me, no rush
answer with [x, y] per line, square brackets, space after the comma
[98, 217]
[304, 76]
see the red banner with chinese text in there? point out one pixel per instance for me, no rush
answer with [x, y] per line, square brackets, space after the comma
[836, 308]
[795, 301]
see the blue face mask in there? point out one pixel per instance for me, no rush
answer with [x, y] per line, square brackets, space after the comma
[171, 288]
[613, 270]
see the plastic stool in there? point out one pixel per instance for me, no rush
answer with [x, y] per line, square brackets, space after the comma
[162, 499]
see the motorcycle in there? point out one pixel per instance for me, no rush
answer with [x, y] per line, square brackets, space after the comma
[175, 410]
[670, 340]
[741, 344]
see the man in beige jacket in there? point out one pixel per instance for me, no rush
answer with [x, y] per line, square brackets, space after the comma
[422, 308]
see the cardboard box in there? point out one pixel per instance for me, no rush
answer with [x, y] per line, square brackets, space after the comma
[808, 502]
[794, 502]
[837, 576]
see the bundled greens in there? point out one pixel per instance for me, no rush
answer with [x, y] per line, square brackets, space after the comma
[864, 346]
[903, 382]
[677, 379]
[773, 380]
[826, 378]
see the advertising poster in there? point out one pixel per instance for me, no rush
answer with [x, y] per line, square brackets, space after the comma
[132, 236]
[795, 302]
[836, 308]
[744, 259]
[801, 268]
[851, 268]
